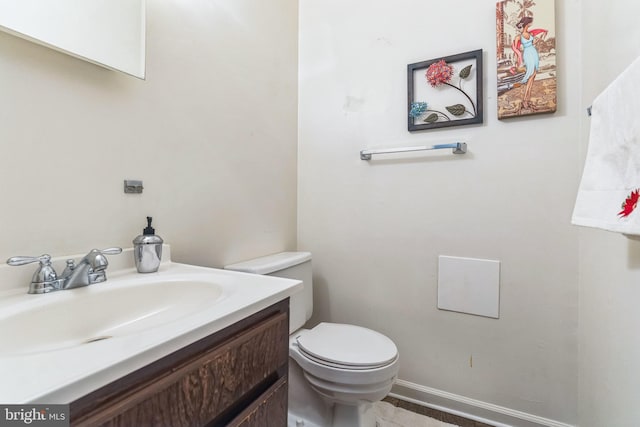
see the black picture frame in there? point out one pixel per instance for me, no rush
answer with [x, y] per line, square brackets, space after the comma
[466, 101]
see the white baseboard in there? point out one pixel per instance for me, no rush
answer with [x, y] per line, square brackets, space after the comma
[473, 409]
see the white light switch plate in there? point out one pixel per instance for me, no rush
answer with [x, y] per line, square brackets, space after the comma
[469, 285]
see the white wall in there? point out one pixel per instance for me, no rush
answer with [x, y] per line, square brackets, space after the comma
[212, 132]
[609, 262]
[376, 228]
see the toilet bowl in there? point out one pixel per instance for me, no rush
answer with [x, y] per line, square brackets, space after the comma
[336, 371]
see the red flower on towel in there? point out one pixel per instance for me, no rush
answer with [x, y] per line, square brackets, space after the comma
[630, 203]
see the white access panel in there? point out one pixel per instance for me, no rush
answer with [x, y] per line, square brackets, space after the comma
[469, 285]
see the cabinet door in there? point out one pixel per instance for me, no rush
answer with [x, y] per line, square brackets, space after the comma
[269, 410]
[206, 388]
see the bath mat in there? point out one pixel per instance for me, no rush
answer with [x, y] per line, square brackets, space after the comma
[388, 415]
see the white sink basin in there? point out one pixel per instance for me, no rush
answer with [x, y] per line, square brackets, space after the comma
[98, 312]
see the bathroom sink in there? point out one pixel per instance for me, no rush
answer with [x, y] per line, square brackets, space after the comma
[59, 346]
[101, 312]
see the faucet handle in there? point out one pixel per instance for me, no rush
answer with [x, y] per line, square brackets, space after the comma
[45, 279]
[98, 260]
[110, 251]
[22, 260]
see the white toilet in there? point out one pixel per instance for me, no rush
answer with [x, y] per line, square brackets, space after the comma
[336, 371]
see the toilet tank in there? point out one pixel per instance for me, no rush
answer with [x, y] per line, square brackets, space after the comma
[289, 265]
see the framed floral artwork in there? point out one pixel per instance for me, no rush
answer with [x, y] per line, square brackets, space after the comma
[445, 91]
[526, 57]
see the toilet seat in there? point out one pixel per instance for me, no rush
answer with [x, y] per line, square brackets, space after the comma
[347, 347]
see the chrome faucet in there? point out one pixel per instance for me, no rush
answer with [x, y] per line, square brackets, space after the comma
[91, 269]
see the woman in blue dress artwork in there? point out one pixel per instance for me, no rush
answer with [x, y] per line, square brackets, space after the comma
[527, 42]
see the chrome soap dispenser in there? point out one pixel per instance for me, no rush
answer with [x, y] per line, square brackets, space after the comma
[147, 249]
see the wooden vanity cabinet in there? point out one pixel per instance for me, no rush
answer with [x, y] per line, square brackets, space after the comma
[234, 377]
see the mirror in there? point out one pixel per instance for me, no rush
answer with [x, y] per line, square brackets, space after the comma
[109, 33]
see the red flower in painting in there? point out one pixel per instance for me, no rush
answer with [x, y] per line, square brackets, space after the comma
[630, 203]
[439, 72]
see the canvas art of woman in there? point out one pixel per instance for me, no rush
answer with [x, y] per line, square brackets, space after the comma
[525, 57]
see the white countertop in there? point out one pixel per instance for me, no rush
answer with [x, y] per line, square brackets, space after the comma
[63, 375]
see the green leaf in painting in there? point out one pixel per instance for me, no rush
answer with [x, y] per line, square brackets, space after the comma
[465, 72]
[431, 118]
[456, 110]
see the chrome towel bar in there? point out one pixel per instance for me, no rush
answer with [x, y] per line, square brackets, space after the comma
[457, 148]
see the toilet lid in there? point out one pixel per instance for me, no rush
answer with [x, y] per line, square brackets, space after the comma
[347, 346]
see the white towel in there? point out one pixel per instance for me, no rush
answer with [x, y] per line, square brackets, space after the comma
[611, 177]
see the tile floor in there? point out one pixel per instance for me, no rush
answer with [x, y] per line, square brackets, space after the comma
[433, 413]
